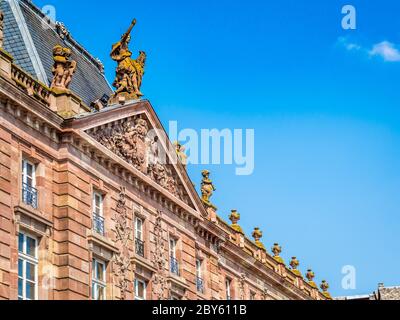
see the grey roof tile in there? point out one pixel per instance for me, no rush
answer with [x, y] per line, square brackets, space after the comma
[88, 82]
[13, 41]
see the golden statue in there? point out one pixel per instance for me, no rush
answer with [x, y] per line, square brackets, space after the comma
[129, 73]
[277, 250]
[324, 287]
[207, 189]
[294, 263]
[310, 277]
[63, 68]
[235, 217]
[257, 235]
[180, 152]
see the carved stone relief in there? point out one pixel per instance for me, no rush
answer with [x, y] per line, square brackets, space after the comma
[159, 282]
[242, 286]
[122, 260]
[129, 139]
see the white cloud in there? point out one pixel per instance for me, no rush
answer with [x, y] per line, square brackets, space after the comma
[387, 51]
[350, 46]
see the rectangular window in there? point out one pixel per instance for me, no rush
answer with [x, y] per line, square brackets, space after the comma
[99, 283]
[228, 289]
[98, 218]
[199, 279]
[172, 248]
[27, 267]
[98, 203]
[139, 243]
[29, 191]
[140, 290]
[172, 253]
[139, 229]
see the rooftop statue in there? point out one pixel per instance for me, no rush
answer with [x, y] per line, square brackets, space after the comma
[294, 263]
[180, 152]
[207, 189]
[63, 68]
[1, 28]
[310, 277]
[277, 250]
[257, 235]
[235, 217]
[129, 72]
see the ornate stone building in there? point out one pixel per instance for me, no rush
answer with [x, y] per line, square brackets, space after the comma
[95, 201]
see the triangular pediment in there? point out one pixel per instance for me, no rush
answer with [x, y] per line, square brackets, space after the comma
[135, 135]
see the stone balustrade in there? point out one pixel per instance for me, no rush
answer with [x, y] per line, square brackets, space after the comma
[33, 87]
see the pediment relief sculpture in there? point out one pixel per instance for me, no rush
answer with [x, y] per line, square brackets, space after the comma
[132, 141]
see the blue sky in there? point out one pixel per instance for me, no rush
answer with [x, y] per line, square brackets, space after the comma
[324, 108]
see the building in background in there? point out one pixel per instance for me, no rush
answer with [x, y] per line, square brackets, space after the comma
[382, 293]
[95, 201]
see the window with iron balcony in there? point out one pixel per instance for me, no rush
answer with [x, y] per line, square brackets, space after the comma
[98, 216]
[199, 279]
[29, 191]
[174, 264]
[139, 243]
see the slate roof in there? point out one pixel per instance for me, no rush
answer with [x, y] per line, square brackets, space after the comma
[13, 41]
[30, 41]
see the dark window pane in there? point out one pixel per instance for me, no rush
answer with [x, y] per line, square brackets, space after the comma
[29, 170]
[20, 267]
[101, 293]
[20, 287]
[30, 271]
[100, 272]
[93, 291]
[140, 289]
[21, 242]
[30, 246]
[30, 290]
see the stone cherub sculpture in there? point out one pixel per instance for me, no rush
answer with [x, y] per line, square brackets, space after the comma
[63, 68]
[207, 189]
[129, 72]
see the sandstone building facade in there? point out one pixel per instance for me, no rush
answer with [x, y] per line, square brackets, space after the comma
[87, 209]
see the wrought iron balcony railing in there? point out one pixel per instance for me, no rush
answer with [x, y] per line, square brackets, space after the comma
[139, 247]
[174, 266]
[30, 195]
[200, 284]
[98, 224]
